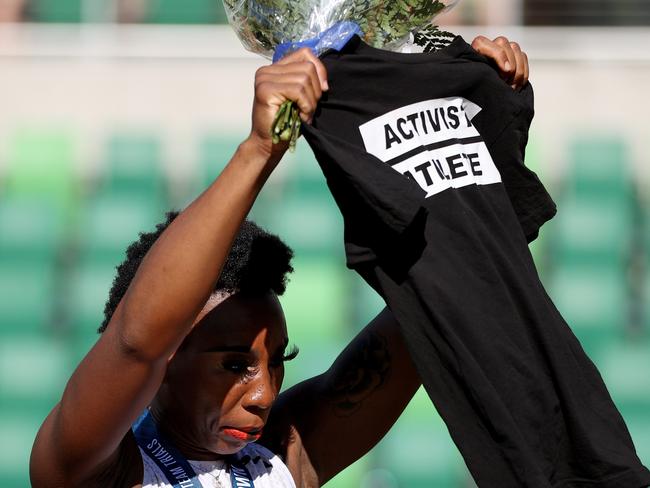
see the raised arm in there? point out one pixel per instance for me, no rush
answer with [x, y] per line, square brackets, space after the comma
[324, 424]
[121, 374]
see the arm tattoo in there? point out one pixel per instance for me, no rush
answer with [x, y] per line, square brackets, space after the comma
[360, 371]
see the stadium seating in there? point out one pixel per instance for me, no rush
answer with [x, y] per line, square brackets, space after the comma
[58, 255]
[186, 12]
[303, 175]
[27, 292]
[599, 168]
[594, 302]
[639, 426]
[630, 391]
[109, 223]
[32, 230]
[33, 373]
[310, 225]
[625, 371]
[593, 232]
[134, 166]
[534, 160]
[367, 303]
[89, 284]
[645, 292]
[591, 243]
[305, 213]
[596, 214]
[314, 306]
[18, 428]
[645, 305]
[56, 10]
[40, 165]
[418, 452]
[215, 150]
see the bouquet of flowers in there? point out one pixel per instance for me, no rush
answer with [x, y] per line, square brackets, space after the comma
[273, 28]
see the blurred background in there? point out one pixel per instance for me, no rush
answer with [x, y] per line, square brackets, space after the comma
[113, 111]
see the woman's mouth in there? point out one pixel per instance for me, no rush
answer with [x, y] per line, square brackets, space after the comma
[245, 435]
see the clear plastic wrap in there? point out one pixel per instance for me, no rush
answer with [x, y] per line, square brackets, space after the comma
[274, 27]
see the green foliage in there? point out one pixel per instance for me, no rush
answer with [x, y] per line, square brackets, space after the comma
[264, 24]
[432, 39]
[286, 126]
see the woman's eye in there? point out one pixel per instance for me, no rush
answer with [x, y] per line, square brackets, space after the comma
[238, 367]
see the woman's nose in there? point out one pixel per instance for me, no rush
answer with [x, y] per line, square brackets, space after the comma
[262, 391]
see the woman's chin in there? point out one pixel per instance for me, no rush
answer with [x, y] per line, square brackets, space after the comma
[227, 446]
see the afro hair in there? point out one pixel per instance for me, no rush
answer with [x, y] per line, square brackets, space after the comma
[258, 262]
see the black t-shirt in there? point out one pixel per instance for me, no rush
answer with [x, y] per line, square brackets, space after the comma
[424, 156]
[395, 105]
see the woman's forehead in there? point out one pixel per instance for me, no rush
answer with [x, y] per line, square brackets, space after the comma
[238, 320]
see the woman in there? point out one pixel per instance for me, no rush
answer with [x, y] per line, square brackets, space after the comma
[205, 361]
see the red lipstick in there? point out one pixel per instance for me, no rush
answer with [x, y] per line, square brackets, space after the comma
[242, 435]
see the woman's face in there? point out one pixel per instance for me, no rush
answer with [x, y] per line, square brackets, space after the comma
[223, 380]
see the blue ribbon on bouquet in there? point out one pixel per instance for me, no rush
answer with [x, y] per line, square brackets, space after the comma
[336, 37]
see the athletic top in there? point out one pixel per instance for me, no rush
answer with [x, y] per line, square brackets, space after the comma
[424, 155]
[266, 469]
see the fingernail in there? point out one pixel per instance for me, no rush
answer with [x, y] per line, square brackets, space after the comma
[508, 66]
[326, 86]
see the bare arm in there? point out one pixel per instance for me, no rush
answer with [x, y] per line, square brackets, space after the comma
[326, 423]
[123, 371]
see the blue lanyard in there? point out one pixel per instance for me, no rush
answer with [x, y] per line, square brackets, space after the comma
[240, 477]
[172, 463]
